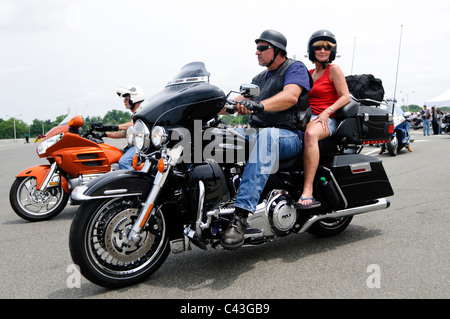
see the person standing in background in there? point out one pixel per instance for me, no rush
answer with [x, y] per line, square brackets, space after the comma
[434, 120]
[426, 116]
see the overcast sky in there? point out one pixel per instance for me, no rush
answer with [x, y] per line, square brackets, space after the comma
[57, 54]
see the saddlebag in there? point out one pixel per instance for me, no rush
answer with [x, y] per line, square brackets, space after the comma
[361, 178]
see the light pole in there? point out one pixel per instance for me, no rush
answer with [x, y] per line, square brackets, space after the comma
[407, 97]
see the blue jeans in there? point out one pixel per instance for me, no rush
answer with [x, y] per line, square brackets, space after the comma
[426, 127]
[268, 146]
[126, 161]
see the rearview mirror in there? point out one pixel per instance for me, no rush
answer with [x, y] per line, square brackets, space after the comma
[249, 90]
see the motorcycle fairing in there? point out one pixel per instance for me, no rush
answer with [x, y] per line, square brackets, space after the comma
[116, 184]
[188, 97]
[75, 155]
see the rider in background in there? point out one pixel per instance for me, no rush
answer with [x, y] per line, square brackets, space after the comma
[132, 96]
[329, 94]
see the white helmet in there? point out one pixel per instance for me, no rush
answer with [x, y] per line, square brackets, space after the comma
[136, 93]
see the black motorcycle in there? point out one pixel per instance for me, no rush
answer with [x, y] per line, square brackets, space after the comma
[129, 221]
[445, 125]
[416, 122]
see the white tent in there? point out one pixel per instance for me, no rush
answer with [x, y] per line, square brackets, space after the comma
[440, 100]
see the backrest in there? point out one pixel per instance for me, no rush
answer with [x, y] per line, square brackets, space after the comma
[349, 110]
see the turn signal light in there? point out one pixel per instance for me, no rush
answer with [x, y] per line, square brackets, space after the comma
[161, 165]
[135, 161]
[76, 122]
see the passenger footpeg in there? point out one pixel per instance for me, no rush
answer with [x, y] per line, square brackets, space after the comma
[313, 204]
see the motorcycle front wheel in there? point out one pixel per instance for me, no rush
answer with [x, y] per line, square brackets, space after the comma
[99, 245]
[34, 205]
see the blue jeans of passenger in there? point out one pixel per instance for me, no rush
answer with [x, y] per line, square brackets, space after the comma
[268, 146]
[426, 127]
[126, 161]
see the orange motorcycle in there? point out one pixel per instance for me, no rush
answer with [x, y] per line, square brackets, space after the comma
[41, 192]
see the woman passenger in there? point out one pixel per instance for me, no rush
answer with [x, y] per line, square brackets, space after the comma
[329, 94]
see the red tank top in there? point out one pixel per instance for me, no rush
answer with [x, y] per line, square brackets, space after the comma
[323, 94]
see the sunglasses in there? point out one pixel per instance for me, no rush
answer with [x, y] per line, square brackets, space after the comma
[325, 47]
[263, 48]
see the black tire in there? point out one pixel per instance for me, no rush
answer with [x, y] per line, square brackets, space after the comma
[330, 227]
[392, 145]
[33, 205]
[97, 244]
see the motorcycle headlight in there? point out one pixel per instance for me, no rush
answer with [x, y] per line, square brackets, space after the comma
[141, 136]
[44, 145]
[159, 136]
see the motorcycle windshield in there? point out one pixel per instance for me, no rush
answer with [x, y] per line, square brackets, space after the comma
[398, 111]
[194, 72]
[188, 97]
[77, 110]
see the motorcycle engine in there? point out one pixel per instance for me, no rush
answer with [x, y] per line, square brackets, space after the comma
[282, 215]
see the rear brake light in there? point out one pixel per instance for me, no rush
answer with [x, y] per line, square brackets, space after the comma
[375, 141]
[391, 128]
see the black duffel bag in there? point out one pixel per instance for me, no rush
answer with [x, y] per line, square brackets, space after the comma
[365, 86]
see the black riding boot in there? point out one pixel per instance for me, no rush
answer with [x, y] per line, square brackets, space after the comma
[234, 234]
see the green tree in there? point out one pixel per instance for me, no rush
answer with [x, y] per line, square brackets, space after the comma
[413, 108]
[37, 127]
[235, 120]
[59, 119]
[8, 127]
[116, 117]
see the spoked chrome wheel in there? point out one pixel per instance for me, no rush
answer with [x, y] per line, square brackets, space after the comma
[32, 204]
[99, 242]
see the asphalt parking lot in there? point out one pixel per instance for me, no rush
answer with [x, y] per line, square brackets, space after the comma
[405, 246]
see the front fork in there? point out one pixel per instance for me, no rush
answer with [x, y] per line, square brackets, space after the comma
[49, 178]
[170, 159]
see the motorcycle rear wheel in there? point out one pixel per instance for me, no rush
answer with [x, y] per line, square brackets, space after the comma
[393, 145]
[98, 246]
[330, 227]
[34, 205]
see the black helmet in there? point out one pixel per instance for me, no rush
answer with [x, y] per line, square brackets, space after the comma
[275, 38]
[322, 35]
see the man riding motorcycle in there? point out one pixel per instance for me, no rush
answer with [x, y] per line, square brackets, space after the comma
[132, 96]
[277, 113]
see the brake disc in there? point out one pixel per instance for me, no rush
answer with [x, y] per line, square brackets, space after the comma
[116, 238]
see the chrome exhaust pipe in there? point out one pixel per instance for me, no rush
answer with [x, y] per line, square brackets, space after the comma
[381, 203]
